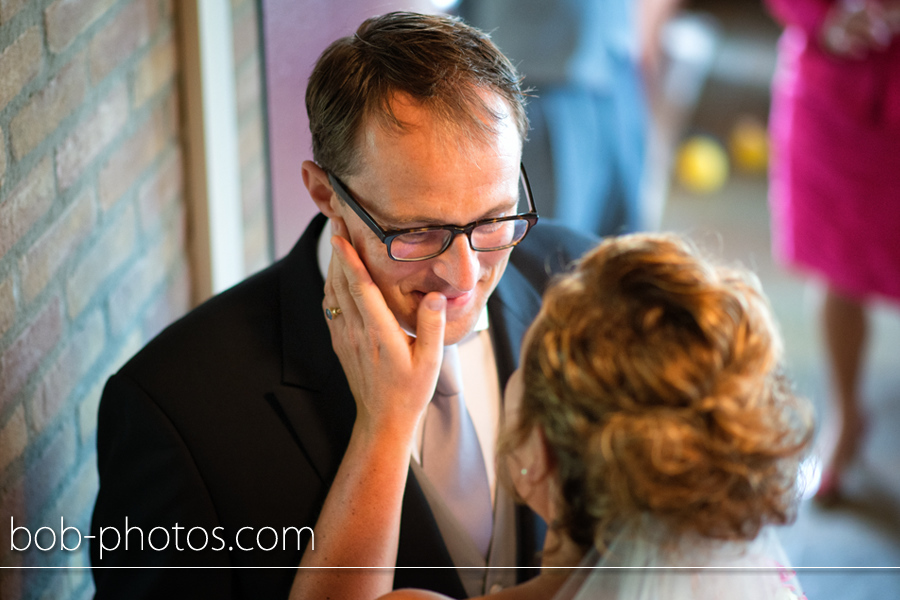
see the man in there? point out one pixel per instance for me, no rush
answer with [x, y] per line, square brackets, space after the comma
[588, 63]
[218, 442]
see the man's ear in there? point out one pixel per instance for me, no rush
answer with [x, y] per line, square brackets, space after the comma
[316, 181]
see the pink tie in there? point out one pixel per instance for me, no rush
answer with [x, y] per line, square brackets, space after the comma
[452, 458]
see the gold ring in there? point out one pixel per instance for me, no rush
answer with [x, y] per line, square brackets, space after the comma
[332, 313]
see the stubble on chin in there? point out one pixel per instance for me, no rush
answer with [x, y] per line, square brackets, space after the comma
[455, 330]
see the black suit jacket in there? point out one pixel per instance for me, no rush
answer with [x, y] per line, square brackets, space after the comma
[229, 427]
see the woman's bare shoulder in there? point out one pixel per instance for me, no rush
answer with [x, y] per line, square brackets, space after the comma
[413, 595]
[539, 588]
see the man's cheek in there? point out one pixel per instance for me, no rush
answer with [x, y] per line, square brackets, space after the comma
[492, 267]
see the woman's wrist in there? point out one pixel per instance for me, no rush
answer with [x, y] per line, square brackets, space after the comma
[892, 16]
[386, 437]
[853, 29]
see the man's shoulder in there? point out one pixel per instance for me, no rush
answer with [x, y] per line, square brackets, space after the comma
[550, 248]
[247, 315]
[553, 234]
[241, 320]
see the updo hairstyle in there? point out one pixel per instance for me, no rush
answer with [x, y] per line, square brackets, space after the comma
[656, 379]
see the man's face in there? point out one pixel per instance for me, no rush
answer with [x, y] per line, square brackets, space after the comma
[425, 175]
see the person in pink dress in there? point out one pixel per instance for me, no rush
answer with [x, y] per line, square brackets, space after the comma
[835, 180]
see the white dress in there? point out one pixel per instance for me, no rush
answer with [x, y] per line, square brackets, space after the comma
[639, 565]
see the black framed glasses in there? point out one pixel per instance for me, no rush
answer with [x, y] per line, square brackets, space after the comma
[422, 243]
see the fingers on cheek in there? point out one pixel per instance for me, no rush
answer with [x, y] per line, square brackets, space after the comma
[339, 283]
[330, 294]
[357, 342]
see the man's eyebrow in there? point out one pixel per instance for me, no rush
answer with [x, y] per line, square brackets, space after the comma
[429, 221]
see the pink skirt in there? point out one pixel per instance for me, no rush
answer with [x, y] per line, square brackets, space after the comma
[835, 171]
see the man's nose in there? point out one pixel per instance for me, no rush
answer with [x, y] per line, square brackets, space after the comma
[459, 265]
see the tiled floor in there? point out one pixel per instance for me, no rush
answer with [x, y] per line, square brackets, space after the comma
[864, 530]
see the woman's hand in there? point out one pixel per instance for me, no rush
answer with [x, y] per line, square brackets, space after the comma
[892, 15]
[392, 375]
[853, 28]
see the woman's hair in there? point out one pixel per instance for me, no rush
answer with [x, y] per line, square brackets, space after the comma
[656, 379]
[437, 61]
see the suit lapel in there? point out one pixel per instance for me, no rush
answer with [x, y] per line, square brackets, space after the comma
[314, 399]
[307, 358]
[421, 545]
[319, 422]
[512, 308]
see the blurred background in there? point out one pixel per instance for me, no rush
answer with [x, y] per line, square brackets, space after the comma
[731, 214]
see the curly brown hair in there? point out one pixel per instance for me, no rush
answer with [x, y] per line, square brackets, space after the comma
[438, 61]
[655, 376]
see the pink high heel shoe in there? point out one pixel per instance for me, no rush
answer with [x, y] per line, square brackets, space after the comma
[845, 453]
[829, 491]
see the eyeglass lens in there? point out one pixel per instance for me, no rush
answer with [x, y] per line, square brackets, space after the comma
[489, 236]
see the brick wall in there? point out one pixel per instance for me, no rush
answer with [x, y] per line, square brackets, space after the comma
[92, 242]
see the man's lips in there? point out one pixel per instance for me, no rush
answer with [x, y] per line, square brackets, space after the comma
[459, 300]
[454, 301]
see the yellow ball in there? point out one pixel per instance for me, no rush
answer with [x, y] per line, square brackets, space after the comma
[749, 145]
[701, 164]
